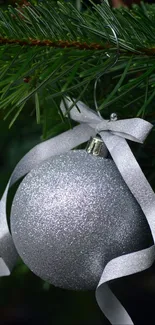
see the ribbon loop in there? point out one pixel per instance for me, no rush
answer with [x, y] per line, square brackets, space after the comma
[134, 129]
[80, 112]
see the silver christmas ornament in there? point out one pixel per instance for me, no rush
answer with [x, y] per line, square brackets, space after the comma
[73, 214]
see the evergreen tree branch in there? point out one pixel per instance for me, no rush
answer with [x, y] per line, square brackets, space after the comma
[49, 51]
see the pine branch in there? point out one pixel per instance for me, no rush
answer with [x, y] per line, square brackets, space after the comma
[48, 51]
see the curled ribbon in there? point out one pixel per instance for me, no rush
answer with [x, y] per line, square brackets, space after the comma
[114, 135]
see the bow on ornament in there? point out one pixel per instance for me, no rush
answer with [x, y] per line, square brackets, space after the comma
[114, 134]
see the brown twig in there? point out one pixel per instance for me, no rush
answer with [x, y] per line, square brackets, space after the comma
[55, 44]
[73, 44]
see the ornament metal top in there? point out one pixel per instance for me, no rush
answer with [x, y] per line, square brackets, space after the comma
[97, 147]
[122, 172]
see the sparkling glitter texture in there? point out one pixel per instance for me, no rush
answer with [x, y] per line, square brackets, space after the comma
[73, 214]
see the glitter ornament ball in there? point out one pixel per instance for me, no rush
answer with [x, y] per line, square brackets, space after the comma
[73, 214]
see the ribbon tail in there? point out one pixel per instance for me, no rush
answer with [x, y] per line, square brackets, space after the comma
[55, 146]
[133, 262]
[8, 253]
[132, 175]
[111, 306]
[119, 267]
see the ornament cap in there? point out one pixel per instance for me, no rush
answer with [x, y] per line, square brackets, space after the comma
[97, 147]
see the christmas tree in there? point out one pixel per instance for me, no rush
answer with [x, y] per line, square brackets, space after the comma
[49, 51]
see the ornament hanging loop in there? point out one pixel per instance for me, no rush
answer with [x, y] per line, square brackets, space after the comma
[108, 67]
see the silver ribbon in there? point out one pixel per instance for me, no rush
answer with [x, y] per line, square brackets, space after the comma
[114, 135]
